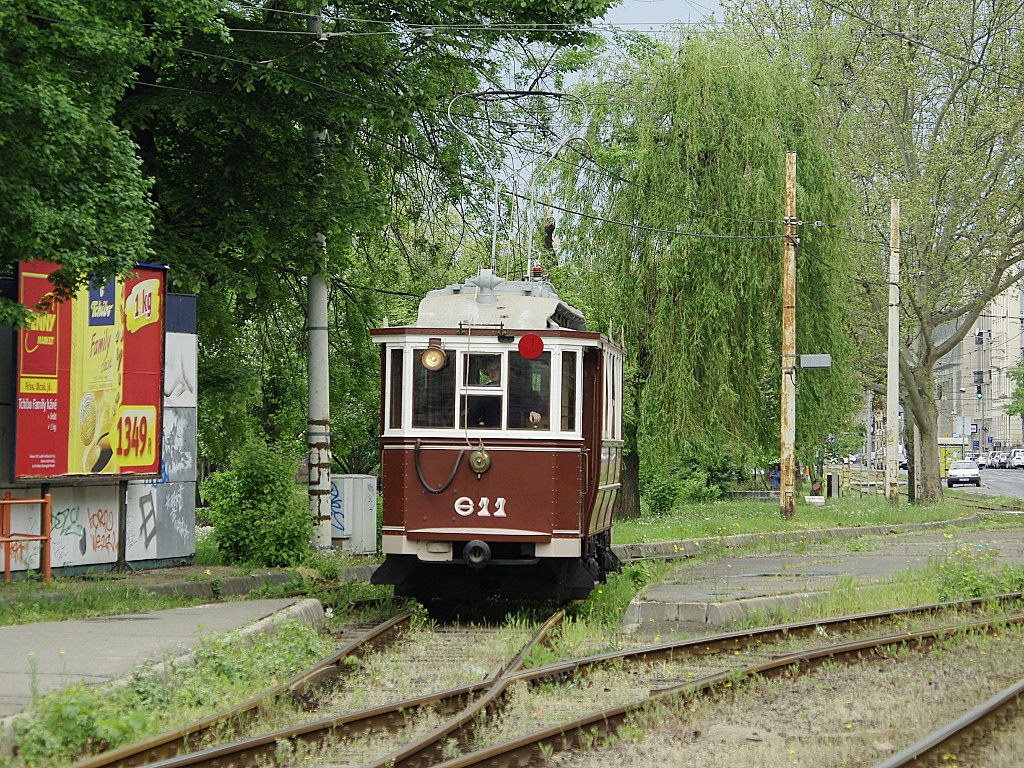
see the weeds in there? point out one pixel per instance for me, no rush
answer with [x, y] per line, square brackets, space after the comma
[85, 719]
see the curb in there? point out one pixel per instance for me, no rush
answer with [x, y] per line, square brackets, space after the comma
[717, 615]
[309, 612]
[672, 550]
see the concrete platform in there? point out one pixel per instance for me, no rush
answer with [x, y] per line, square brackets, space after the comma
[715, 595]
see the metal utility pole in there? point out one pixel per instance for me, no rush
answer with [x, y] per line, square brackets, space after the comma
[318, 429]
[892, 384]
[787, 461]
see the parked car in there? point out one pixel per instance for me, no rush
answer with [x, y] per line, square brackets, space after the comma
[1004, 460]
[982, 460]
[963, 472]
[1017, 458]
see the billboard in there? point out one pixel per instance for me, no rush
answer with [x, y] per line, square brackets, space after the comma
[90, 377]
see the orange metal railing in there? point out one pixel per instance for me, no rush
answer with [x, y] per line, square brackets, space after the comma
[9, 537]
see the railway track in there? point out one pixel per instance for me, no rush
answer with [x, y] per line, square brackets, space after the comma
[301, 687]
[579, 735]
[969, 732]
[465, 711]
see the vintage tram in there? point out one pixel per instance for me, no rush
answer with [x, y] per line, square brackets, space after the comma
[501, 445]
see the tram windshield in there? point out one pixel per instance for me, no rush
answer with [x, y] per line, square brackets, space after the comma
[433, 395]
[529, 391]
[500, 390]
[482, 393]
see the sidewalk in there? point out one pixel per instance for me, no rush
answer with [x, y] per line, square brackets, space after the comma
[713, 595]
[37, 659]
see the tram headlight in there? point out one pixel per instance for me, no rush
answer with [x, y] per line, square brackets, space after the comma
[433, 358]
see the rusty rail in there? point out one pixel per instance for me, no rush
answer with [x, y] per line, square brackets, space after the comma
[533, 748]
[169, 744]
[948, 740]
[9, 537]
[487, 693]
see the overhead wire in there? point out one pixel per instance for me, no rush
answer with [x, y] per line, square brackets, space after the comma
[263, 67]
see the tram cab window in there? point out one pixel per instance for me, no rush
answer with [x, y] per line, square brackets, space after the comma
[395, 396]
[433, 395]
[529, 391]
[482, 393]
[568, 392]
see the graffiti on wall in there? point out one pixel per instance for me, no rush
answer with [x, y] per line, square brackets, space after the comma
[161, 520]
[83, 525]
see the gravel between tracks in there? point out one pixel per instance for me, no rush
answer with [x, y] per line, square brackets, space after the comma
[838, 715]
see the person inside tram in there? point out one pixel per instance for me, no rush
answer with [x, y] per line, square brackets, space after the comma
[484, 412]
[525, 405]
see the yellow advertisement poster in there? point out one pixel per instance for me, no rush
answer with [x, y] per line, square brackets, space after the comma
[97, 353]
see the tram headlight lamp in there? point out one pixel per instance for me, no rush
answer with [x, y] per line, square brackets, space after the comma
[433, 358]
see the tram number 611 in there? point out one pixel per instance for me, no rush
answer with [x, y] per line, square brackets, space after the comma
[465, 507]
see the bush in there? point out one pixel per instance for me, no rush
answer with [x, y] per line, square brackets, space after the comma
[689, 483]
[259, 514]
[660, 492]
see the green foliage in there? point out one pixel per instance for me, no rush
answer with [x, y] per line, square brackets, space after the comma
[259, 514]
[907, 121]
[687, 482]
[606, 605]
[660, 492]
[75, 721]
[72, 184]
[690, 137]
[969, 573]
[87, 719]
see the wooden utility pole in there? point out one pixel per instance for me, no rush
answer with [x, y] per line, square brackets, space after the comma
[892, 384]
[318, 425]
[787, 451]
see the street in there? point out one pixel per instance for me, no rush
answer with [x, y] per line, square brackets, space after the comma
[999, 482]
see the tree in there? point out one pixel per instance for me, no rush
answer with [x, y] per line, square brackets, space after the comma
[680, 239]
[71, 181]
[927, 106]
[223, 126]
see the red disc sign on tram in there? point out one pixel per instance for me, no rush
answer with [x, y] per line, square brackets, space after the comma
[530, 346]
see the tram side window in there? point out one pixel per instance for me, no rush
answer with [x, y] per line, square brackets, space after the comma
[568, 391]
[433, 395]
[529, 391]
[395, 399]
[481, 398]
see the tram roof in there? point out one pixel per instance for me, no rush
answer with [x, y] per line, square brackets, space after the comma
[489, 300]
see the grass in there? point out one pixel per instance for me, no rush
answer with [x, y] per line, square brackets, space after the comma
[725, 518]
[86, 719]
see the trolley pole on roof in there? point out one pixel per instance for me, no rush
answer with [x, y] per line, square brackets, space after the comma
[787, 462]
[892, 384]
[318, 425]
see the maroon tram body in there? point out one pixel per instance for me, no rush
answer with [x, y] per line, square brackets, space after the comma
[501, 445]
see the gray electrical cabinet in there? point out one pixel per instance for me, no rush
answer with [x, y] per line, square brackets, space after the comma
[354, 513]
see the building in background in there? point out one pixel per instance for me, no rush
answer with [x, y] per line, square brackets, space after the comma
[972, 385]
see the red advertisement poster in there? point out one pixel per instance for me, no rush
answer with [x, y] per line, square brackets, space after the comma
[90, 377]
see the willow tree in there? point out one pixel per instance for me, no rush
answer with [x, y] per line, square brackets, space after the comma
[928, 106]
[683, 195]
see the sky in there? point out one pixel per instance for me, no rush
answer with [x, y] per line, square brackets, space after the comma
[652, 15]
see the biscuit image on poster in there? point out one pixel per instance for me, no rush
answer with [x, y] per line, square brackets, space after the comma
[87, 417]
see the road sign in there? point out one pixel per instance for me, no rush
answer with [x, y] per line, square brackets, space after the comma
[976, 445]
[974, 429]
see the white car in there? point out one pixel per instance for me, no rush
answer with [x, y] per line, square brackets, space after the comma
[1017, 458]
[963, 473]
[983, 460]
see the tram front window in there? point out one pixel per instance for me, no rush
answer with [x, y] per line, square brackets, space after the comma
[529, 391]
[482, 398]
[433, 395]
